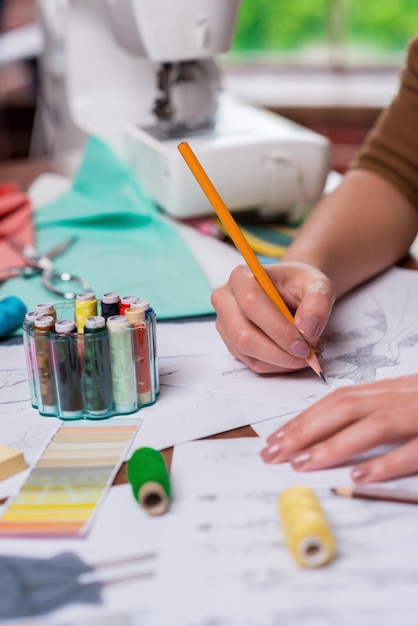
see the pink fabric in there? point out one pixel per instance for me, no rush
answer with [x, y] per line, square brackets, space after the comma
[15, 221]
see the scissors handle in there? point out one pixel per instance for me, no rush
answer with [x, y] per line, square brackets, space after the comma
[16, 270]
[51, 280]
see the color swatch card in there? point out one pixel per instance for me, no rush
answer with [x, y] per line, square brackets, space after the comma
[63, 490]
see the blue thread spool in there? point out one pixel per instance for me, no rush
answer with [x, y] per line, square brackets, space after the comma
[12, 314]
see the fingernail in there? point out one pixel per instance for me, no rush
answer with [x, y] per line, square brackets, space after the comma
[301, 459]
[300, 348]
[359, 474]
[279, 433]
[271, 453]
[309, 326]
[274, 436]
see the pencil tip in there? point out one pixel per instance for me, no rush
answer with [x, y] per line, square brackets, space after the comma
[342, 491]
[312, 361]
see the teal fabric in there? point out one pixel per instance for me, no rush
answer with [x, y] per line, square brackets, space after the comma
[124, 244]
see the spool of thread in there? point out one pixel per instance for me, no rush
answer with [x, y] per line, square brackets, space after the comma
[123, 365]
[126, 302]
[151, 318]
[47, 308]
[143, 360]
[12, 315]
[31, 316]
[85, 306]
[150, 481]
[29, 345]
[67, 370]
[306, 529]
[42, 327]
[110, 304]
[97, 377]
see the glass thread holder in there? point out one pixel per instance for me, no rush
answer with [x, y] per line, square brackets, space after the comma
[92, 375]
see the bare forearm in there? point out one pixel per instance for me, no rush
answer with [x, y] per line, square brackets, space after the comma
[360, 229]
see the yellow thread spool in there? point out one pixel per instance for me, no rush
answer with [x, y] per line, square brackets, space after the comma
[85, 306]
[308, 534]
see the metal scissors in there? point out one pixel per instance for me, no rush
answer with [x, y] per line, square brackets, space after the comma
[43, 264]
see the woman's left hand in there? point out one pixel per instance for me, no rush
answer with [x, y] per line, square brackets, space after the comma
[350, 421]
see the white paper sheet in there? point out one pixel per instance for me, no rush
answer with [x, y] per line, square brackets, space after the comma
[203, 389]
[372, 335]
[225, 561]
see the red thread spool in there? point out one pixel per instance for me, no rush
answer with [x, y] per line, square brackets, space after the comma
[136, 318]
[126, 302]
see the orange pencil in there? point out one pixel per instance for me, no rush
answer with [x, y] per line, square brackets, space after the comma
[241, 243]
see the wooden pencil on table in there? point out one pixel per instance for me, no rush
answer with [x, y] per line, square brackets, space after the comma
[241, 243]
[377, 493]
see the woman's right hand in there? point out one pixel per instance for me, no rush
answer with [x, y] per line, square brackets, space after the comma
[257, 333]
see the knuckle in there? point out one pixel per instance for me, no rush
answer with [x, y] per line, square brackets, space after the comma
[326, 452]
[345, 398]
[215, 298]
[250, 300]
[259, 367]
[238, 272]
[241, 340]
[296, 431]
[382, 422]
[322, 288]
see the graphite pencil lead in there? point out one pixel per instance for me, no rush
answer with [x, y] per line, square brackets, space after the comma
[312, 361]
[343, 491]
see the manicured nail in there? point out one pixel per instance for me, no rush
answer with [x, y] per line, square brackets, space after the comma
[309, 326]
[279, 433]
[271, 453]
[301, 459]
[299, 348]
[359, 474]
[274, 436]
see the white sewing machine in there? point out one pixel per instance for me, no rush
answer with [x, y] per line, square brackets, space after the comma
[141, 75]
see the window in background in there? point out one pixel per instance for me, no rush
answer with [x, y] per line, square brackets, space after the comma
[340, 34]
[329, 65]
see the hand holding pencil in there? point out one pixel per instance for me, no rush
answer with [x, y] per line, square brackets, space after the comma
[276, 302]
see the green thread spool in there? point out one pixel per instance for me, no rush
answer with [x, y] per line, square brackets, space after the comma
[97, 379]
[67, 369]
[150, 481]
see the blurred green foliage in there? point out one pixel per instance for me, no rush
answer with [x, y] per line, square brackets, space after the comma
[290, 25]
